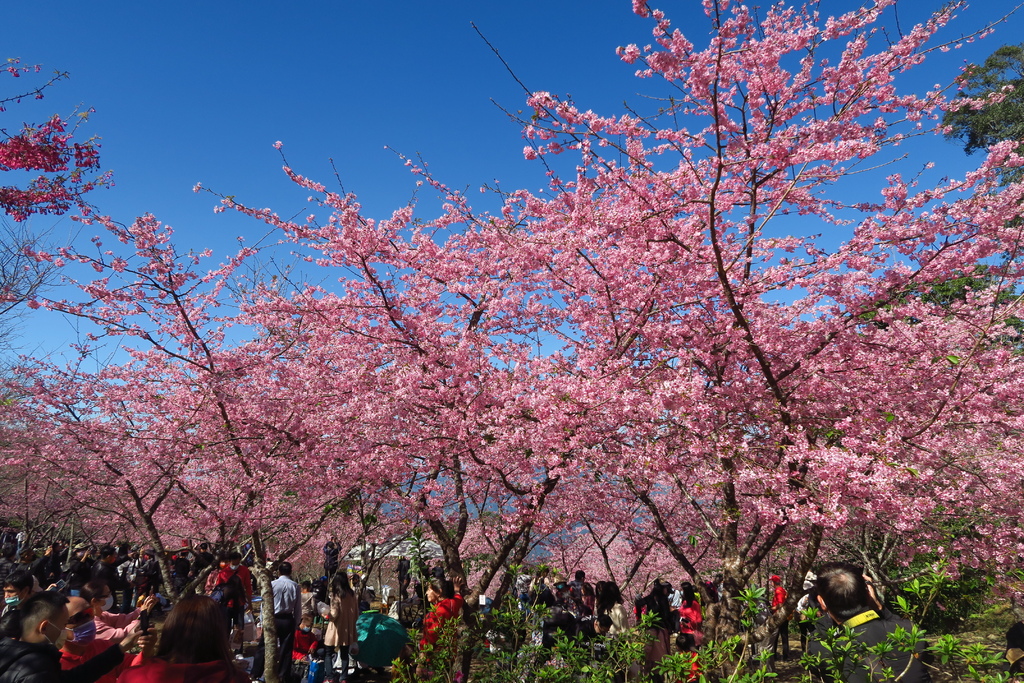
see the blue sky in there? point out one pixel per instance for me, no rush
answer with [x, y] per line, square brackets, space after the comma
[189, 92]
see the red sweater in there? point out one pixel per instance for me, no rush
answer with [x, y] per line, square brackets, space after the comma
[159, 671]
[304, 644]
[778, 597]
[437, 617]
[70, 661]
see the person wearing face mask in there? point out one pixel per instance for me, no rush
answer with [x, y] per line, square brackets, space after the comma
[305, 643]
[17, 589]
[81, 644]
[111, 626]
[35, 656]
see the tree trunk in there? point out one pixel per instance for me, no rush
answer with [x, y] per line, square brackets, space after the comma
[270, 653]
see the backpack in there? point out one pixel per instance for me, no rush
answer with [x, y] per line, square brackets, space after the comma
[229, 592]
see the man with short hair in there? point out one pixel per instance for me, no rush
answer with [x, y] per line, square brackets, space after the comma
[287, 615]
[46, 568]
[181, 565]
[17, 589]
[79, 569]
[582, 594]
[128, 572]
[202, 558]
[849, 600]
[34, 658]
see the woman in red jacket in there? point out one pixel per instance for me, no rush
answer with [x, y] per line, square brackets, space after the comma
[446, 600]
[193, 648]
[691, 617]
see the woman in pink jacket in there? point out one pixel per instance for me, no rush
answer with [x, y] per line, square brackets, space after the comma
[111, 626]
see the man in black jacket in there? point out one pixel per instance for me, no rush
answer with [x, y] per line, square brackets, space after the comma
[848, 600]
[79, 569]
[35, 658]
[106, 569]
[8, 563]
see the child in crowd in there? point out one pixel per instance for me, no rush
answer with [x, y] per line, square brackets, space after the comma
[306, 641]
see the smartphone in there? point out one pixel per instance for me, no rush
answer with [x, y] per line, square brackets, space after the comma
[144, 622]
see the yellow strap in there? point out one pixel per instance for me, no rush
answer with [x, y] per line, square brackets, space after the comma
[862, 618]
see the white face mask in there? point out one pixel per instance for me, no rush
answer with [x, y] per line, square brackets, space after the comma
[108, 603]
[59, 642]
[234, 567]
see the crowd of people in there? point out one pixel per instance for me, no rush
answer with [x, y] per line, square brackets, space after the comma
[61, 623]
[578, 609]
[71, 614]
[839, 596]
[131, 571]
[78, 610]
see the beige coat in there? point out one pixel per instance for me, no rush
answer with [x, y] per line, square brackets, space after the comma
[620, 619]
[341, 627]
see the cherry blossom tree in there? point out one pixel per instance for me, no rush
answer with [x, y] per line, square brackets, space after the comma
[744, 383]
[202, 429]
[446, 400]
[66, 168]
[714, 332]
[792, 384]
